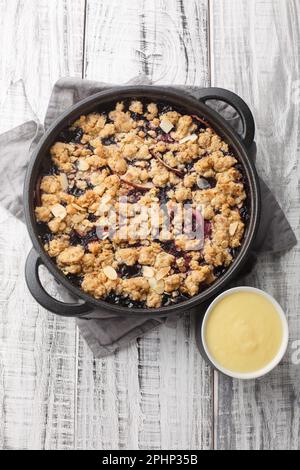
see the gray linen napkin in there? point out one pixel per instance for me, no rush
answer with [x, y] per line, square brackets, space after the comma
[108, 332]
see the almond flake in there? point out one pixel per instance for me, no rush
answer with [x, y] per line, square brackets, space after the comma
[105, 199]
[64, 181]
[232, 228]
[148, 272]
[59, 211]
[96, 179]
[166, 125]
[189, 138]
[163, 272]
[76, 206]
[99, 189]
[160, 287]
[110, 272]
[153, 283]
[83, 165]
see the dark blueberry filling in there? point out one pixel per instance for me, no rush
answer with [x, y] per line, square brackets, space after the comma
[91, 236]
[212, 182]
[135, 116]
[92, 217]
[165, 138]
[219, 271]
[145, 127]
[75, 279]
[207, 229]
[188, 167]
[123, 301]
[195, 222]
[75, 238]
[49, 170]
[76, 192]
[200, 126]
[134, 195]
[109, 141]
[171, 248]
[84, 240]
[244, 214]
[234, 252]
[160, 133]
[237, 166]
[164, 108]
[187, 261]
[240, 168]
[162, 195]
[54, 171]
[127, 272]
[113, 299]
[67, 136]
[44, 234]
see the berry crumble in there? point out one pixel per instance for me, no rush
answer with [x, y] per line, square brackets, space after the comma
[149, 155]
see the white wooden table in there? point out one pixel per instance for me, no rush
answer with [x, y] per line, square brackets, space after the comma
[158, 393]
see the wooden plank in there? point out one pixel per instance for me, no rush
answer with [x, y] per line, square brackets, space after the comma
[165, 40]
[157, 393]
[256, 52]
[40, 41]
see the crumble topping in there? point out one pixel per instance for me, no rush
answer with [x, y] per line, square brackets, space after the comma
[153, 155]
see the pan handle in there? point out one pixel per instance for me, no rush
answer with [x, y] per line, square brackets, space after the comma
[238, 104]
[36, 289]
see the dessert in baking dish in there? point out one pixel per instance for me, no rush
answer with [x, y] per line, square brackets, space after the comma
[123, 165]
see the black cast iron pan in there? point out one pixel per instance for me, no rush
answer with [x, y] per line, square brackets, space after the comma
[242, 146]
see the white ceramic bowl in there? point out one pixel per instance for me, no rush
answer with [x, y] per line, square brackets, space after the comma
[285, 337]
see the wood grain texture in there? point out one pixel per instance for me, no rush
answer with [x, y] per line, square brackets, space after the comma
[40, 41]
[157, 394]
[255, 50]
[166, 40]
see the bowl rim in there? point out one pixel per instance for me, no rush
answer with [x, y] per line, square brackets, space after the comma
[158, 94]
[283, 347]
